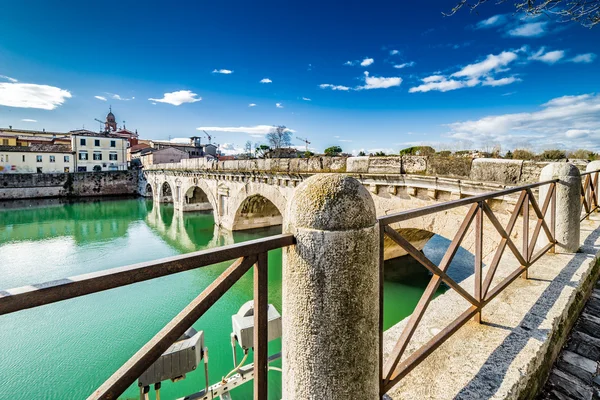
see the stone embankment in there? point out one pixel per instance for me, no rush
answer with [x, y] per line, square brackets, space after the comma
[508, 172]
[81, 184]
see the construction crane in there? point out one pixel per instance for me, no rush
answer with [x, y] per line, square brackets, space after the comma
[208, 136]
[101, 123]
[305, 141]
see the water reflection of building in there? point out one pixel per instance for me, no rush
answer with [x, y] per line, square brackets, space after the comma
[84, 222]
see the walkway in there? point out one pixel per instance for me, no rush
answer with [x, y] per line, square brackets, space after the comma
[576, 373]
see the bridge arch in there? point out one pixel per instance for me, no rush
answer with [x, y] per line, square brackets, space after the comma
[165, 192]
[257, 207]
[198, 197]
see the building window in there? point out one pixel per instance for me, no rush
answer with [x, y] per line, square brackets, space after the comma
[52, 158]
[67, 159]
[5, 142]
[113, 143]
[66, 169]
[112, 156]
[83, 155]
[97, 142]
[81, 169]
[97, 156]
[39, 170]
[23, 157]
[82, 142]
[38, 158]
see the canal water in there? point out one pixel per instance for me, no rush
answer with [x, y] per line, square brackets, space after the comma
[66, 350]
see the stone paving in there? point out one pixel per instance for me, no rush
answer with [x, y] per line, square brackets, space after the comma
[576, 373]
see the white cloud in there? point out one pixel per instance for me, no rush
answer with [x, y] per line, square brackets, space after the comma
[482, 73]
[583, 58]
[222, 71]
[117, 97]
[306, 99]
[492, 63]
[491, 22]
[345, 141]
[366, 62]
[350, 63]
[278, 105]
[333, 87]
[394, 52]
[499, 82]
[100, 98]
[178, 98]
[29, 95]
[549, 57]
[555, 125]
[406, 64]
[29, 120]
[440, 83]
[8, 78]
[252, 105]
[531, 29]
[266, 80]
[230, 149]
[252, 130]
[372, 82]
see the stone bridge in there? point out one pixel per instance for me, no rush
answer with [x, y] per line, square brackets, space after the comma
[248, 194]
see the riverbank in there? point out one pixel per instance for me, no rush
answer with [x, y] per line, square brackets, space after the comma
[70, 185]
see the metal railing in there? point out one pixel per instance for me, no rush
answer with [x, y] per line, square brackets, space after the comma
[245, 254]
[396, 367]
[589, 193]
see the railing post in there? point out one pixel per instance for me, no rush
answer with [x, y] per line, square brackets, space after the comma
[330, 343]
[568, 205]
[594, 166]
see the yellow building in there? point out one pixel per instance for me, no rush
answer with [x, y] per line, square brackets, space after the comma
[98, 151]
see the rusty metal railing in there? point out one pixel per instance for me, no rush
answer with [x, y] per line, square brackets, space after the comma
[397, 366]
[589, 193]
[245, 254]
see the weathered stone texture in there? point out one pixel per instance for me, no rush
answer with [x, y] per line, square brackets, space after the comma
[530, 171]
[496, 170]
[330, 292]
[449, 166]
[81, 184]
[385, 165]
[414, 164]
[568, 206]
[357, 165]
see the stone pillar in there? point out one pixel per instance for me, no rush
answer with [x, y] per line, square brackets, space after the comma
[331, 292]
[568, 206]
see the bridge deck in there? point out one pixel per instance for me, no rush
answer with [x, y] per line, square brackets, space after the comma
[576, 374]
[507, 356]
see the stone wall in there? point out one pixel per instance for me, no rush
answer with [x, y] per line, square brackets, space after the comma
[23, 186]
[507, 172]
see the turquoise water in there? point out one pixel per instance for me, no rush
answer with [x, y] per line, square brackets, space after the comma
[66, 350]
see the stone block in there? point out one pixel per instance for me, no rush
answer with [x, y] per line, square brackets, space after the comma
[385, 165]
[338, 164]
[531, 170]
[449, 166]
[414, 164]
[358, 165]
[496, 170]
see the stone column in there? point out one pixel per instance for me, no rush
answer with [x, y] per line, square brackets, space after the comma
[568, 206]
[331, 292]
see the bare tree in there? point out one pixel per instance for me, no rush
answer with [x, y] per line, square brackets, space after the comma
[279, 137]
[585, 12]
[248, 148]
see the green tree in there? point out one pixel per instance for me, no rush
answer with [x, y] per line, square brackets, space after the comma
[261, 150]
[444, 153]
[333, 151]
[522, 154]
[508, 155]
[418, 151]
[553, 154]
[379, 154]
[581, 154]
[361, 153]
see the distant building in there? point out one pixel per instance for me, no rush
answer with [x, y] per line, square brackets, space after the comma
[99, 151]
[166, 155]
[110, 126]
[194, 148]
[36, 158]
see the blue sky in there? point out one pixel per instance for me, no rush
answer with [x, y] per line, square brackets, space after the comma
[366, 75]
